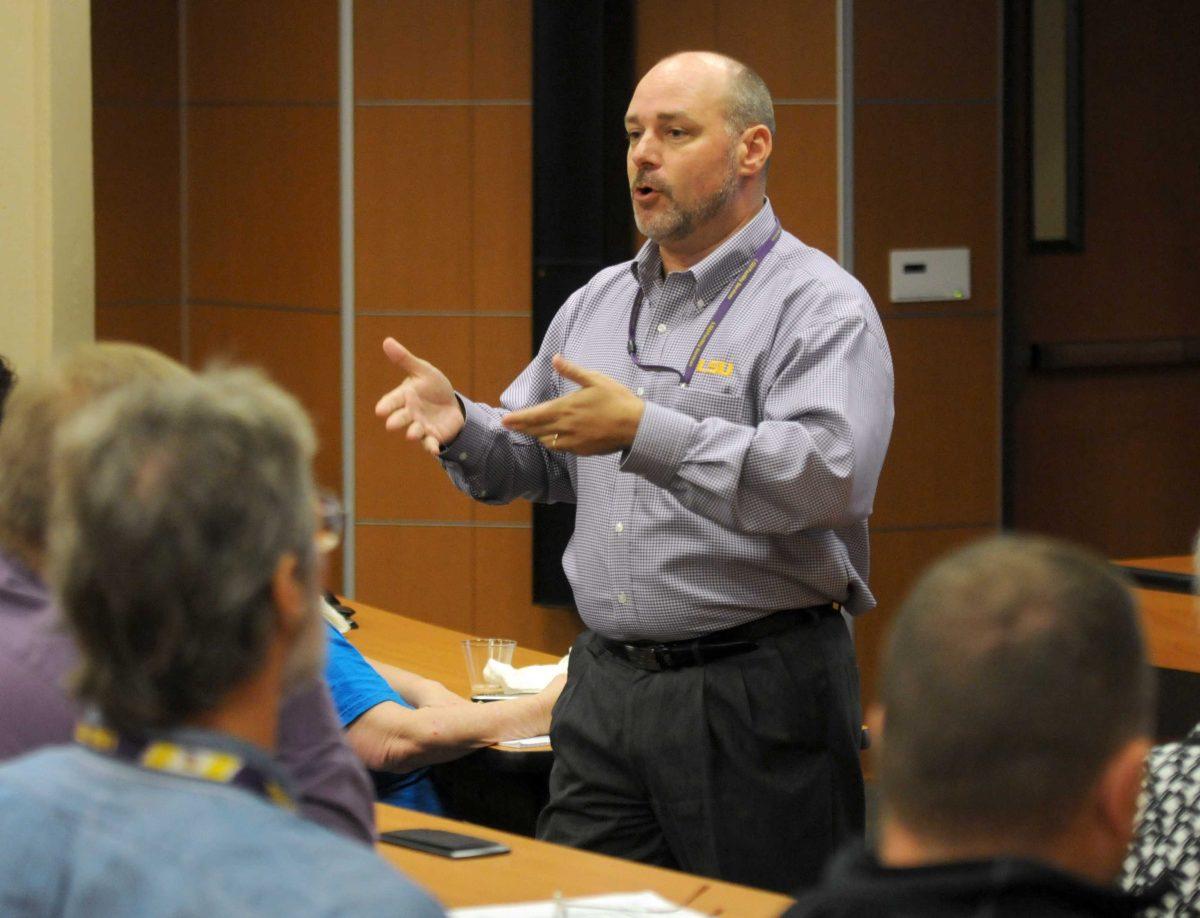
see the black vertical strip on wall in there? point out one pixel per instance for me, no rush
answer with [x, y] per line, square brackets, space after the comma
[582, 80]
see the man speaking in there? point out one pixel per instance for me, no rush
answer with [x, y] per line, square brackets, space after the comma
[718, 409]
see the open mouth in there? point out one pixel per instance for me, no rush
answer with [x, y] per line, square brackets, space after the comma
[644, 193]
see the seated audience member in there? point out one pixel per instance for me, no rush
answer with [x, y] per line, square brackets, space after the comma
[37, 656]
[1016, 707]
[398, 722]
[7, 378]
[1166, 846]
[182, 554]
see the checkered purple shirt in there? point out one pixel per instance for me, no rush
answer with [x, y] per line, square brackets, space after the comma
[746, 492]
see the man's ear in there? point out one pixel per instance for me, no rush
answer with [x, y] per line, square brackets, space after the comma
[754, 149]
[1119, 788]
[288, 594]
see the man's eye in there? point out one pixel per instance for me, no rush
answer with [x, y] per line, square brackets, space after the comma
[633, 136]
[676, 133]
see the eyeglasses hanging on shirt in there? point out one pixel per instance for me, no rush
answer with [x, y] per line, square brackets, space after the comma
[685, 375]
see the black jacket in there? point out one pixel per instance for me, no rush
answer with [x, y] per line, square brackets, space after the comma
[857, 886]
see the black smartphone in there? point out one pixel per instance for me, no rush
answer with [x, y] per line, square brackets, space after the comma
[447, 844]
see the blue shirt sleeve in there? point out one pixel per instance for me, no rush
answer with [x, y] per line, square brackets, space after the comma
[355, 685]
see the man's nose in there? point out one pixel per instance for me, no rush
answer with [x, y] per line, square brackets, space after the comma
[644, 152]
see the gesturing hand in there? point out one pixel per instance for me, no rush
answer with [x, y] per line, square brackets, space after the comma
[602, 416]
[424, 406]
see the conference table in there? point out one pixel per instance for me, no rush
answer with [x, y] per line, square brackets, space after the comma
[1171, 624]
[535, 870]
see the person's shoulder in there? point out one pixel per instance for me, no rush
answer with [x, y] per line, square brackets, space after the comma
[349, 878]
[813, 273]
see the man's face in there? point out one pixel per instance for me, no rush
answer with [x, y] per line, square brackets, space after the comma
[681, 159]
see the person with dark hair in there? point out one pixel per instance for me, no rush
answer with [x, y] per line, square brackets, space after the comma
[718, 410]
[183, 552]
[37, 655]
[7, 378]
[1165, 853]
[1015, 717]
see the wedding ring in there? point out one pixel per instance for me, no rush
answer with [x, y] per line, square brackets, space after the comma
[554, 441]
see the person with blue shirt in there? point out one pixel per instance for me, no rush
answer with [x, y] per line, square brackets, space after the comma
[400, 723]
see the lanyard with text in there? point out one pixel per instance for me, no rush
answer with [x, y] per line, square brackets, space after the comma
[214, 765]
[685, 377]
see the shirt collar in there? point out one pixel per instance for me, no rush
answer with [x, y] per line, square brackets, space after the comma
[718, 268]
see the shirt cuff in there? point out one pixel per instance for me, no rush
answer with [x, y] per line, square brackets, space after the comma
[473, 440]
[660, 444]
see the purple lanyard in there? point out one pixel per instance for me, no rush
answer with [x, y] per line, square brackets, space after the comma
[744, 278]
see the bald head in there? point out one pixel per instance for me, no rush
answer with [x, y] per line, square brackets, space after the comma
[743, 95]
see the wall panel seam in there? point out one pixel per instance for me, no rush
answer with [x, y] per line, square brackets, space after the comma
[934, 527]
[444, 313]
[268, 307]
[400, 103]
[347, 284]
[925, 101]
[185, 336]
[433, 524]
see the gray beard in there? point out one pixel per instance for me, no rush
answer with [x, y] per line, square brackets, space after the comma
[679, 223]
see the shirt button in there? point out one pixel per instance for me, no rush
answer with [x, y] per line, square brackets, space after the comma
[623, 599]
[620, 527]
[662, 327]
[700, 303]
[462, 457]
[641, 390]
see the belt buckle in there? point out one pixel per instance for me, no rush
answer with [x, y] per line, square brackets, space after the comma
[646, 657]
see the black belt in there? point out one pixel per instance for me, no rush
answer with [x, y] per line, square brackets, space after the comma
[667, 655]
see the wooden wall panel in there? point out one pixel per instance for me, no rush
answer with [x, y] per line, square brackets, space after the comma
[136, 180]
[663, 27]
[297, 349]
[898, 558]
[925, 176]
[1119, 472]
[413, 208]
[501, 49]
[502, 208]
[803, 183]
[1141, 231]
[135, 52]
[443, 186]
[791, 43]
[262, 50]
[420, 49]
[926, 49]
[157, 326]
[943, 465]
[263, 205]
[503, 584]
[422, 571]
[135, 150]
[397, 480]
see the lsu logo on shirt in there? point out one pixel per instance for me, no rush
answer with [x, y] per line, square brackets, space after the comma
[715, 367]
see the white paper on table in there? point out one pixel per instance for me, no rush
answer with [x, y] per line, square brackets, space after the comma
[523, 679]
[543, 740]
[609, 905]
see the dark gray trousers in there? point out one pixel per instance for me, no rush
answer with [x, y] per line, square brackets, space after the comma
[745, 769]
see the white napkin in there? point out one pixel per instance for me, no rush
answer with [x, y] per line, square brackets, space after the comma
[523, 680]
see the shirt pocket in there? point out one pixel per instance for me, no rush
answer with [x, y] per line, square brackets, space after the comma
[701, 402]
